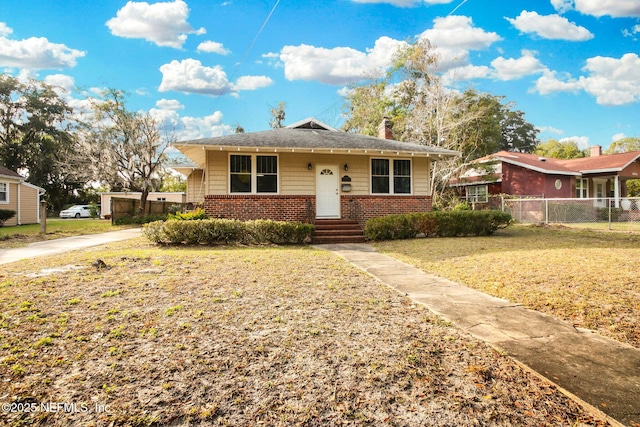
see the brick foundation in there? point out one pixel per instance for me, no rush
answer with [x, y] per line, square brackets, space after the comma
[362, 208]
[274, 207]
[303, 208]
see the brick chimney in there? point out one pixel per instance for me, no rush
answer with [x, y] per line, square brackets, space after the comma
[385, 128]
[595, 151]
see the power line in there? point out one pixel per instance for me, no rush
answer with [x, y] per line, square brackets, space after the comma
[457, 7]
[264, 24]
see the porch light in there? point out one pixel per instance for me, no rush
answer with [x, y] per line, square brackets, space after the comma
[309, 166]
[346, 167]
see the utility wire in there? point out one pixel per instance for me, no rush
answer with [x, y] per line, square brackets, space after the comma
[264, 24]
[457, 7]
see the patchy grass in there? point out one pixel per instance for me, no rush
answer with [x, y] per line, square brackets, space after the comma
[587, 277]
[244, 337]
[56, 228]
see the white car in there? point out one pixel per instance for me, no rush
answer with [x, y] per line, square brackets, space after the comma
[76, 211]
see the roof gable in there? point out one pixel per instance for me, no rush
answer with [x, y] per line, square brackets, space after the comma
[311, 123]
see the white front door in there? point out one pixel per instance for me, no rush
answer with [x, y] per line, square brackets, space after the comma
[327, 192]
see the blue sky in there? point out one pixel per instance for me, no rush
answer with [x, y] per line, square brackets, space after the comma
[204, 66]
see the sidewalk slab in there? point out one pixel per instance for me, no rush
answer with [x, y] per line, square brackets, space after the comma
[599, 372]
[57, 246]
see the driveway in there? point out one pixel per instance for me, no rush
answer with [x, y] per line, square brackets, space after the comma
[51, 247]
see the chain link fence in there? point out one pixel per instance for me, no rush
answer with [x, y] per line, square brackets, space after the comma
[569, 211]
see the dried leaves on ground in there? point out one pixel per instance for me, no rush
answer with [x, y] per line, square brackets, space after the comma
[586, 277]
[244, 337]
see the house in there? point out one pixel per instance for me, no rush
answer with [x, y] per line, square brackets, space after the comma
[309, 171]
[18, 195]
[597, 176]
[105, 199]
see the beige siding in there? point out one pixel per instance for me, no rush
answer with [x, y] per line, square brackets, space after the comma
[29, 205]
[218, 169]
[196, 187]
[13, 202]
[296, 179]
[421, 179]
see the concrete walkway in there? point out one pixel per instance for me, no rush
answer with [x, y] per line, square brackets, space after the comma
[57, 246]
[599, 372]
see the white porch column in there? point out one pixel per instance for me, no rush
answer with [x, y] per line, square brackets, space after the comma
[616, 191]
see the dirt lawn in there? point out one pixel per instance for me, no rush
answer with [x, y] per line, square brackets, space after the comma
[243, 337]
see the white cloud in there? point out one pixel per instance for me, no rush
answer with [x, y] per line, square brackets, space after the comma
[190, 76]
[337, 66]
[459, 32]
[550, 129]
[550, 83]
[632, 32]
[553, 27]
[404, 3]
[581, 141]
[617, 137]
[252, 82]
[5, 30]
[562, 6]
[467, 72]
[187, 128]
[164, 24]
[67, 83]
[613, 8]
[511, 69]
[611, 81]
[454, 37]
[169, 104]
[36, 53]
[213, 47]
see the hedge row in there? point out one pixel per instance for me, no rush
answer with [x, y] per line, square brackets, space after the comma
[436, 224]
[219, 231]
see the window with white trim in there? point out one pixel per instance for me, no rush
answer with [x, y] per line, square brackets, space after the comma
[4, 192]
[251, 173]
[477, 194]
[387, 179]
[582, 188]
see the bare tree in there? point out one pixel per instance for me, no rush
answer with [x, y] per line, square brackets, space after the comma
[123, 149]
[278, 115]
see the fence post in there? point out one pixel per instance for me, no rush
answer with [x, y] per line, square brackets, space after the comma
[43, 216]
[609, 203]
[546, 211]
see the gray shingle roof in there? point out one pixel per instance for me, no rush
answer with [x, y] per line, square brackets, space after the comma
[315, 139]
[8, 172]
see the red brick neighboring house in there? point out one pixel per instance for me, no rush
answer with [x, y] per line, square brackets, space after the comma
[598, 176]
[308, 171]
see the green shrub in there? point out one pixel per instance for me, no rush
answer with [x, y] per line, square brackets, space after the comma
[436, 224]
[139, 219]
[199, 213]
[218, 231]
[6, 214]
[94, 210]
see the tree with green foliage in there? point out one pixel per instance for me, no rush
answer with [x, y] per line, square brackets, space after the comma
[560, 149]
[36, 136]
[424, 110]
[624, 145]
